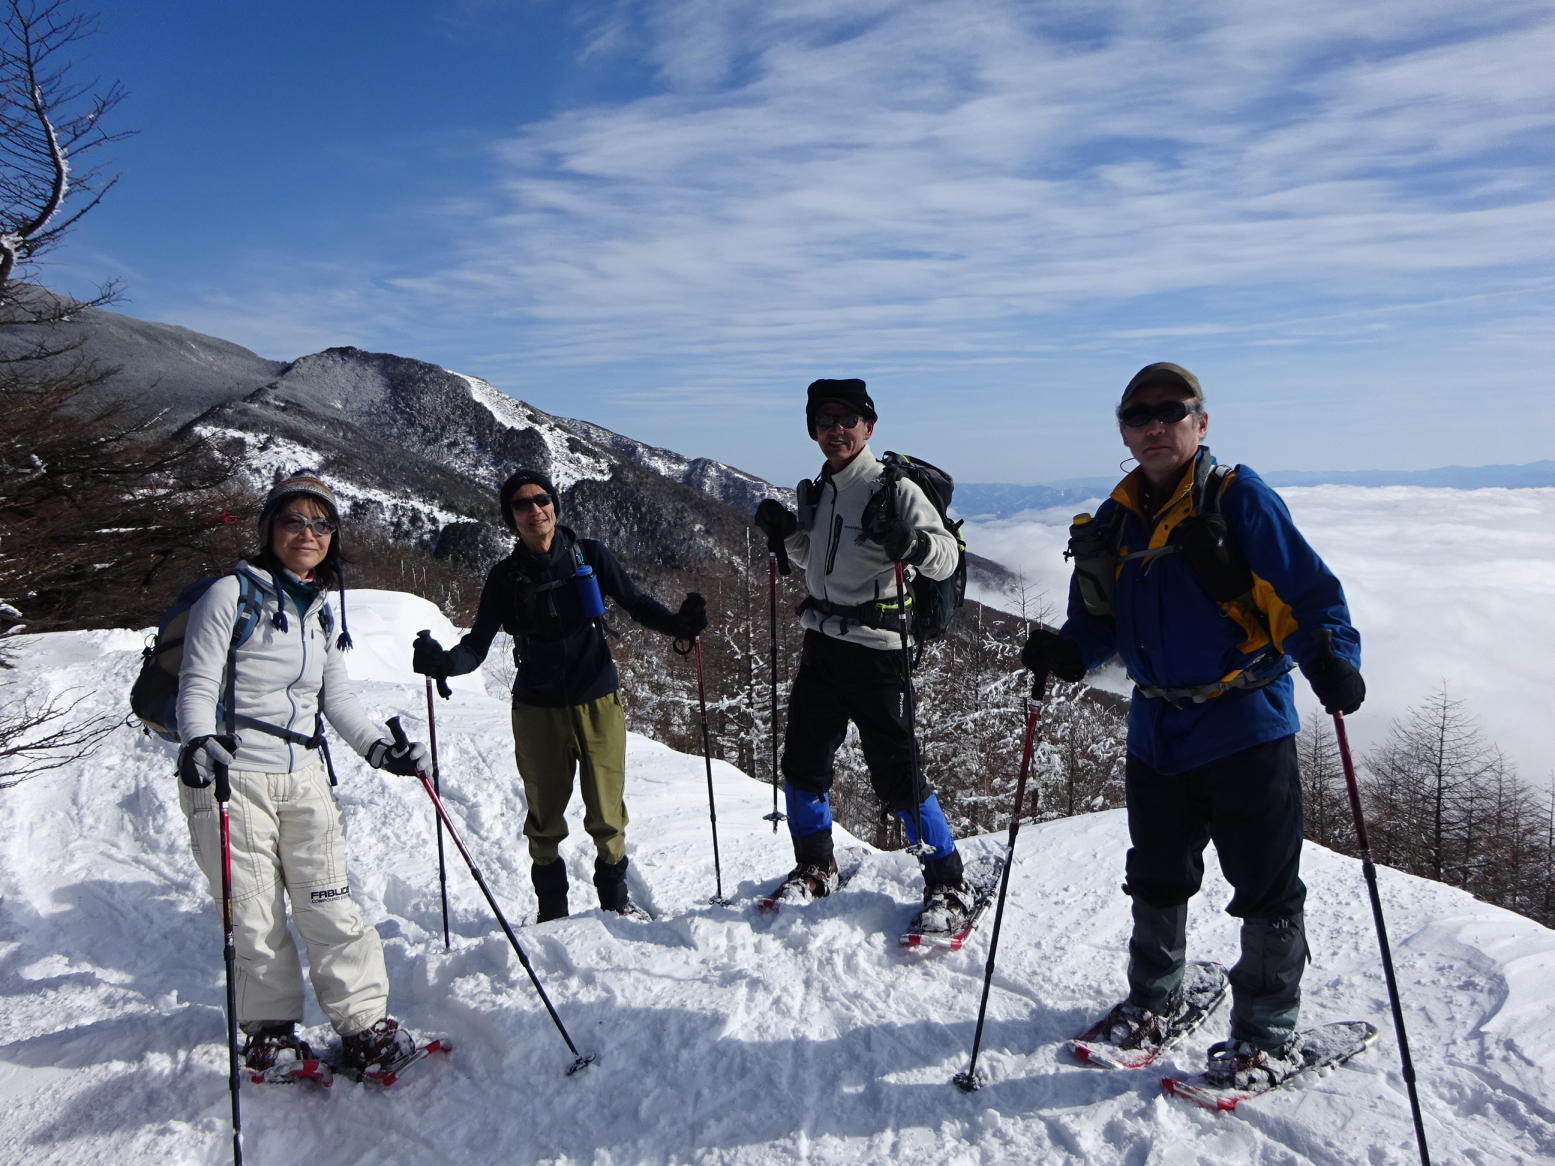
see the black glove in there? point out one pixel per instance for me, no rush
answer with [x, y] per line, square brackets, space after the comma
[428, 657]
[198, 759]
[775, 519]
[1048, 653]
[1337, 683]
[901, 541]
[403, 758]
[691, 619]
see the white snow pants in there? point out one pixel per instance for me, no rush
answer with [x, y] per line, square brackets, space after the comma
[288, 841]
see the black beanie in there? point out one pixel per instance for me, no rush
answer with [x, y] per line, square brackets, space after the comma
[849, 392]
[527, 478]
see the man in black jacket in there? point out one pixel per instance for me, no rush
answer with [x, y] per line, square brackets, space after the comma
[567, 711]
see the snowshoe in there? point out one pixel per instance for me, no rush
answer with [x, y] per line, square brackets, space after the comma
[278, 1056]
[950, 912]
[1130, 1037]
[378, 1055]
[1236, 1071]
[808, 882]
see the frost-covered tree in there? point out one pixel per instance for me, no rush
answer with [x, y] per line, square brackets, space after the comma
[51, 128]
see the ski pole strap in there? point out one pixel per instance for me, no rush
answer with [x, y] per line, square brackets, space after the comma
[1247, 678]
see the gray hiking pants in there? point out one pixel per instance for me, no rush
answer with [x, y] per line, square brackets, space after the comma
[1249, 805]
[288, 842]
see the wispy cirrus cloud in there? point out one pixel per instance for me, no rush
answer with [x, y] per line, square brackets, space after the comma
[1018, 202]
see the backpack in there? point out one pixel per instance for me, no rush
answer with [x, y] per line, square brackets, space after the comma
[935, 602]
[1213, 556]
[154, 695]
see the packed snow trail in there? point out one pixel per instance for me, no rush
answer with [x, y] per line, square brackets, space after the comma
[724, 1036]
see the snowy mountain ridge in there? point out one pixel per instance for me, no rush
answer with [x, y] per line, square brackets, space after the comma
[723, 1036]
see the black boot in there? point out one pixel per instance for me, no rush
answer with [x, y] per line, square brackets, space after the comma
[550, 881]
[610, 882]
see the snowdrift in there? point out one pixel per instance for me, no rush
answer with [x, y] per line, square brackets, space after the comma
[721, 1036]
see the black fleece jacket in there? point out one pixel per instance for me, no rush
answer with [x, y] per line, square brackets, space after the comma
[562, 658]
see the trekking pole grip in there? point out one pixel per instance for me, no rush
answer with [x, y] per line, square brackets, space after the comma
[442, 681]
[777, 549]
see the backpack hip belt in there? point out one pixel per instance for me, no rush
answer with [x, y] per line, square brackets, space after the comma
[1246, 679]
[881, 614]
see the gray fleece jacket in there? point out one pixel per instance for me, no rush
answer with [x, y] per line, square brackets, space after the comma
[843, 568]
[284, 678]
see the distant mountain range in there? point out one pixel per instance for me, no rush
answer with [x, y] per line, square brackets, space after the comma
[417, 450]
[1003, 499]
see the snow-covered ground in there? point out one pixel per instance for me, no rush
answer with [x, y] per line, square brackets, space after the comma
[721, 1036]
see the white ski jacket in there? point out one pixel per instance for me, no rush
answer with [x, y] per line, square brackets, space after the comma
[284, 678]
[841, 567]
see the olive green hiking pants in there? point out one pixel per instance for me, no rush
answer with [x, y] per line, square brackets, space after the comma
[553, 743]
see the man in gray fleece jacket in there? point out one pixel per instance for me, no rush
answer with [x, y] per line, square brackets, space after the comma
[851, 530]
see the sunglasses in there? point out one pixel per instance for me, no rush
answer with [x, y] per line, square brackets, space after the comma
[1169, 412]
[297, 523]
[533, 502]
[828, 420]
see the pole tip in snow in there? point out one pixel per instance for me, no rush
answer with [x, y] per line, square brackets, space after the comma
[583, 1062]
[968, 1082]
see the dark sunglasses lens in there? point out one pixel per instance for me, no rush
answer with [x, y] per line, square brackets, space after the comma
[532, 502]
[1168, 411]
[845, 420]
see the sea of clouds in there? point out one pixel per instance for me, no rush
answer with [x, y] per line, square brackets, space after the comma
[1453, 587]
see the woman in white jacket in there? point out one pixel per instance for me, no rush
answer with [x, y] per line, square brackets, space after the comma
[261, 720]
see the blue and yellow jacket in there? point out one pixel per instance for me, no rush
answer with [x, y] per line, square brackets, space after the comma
[1171, 635]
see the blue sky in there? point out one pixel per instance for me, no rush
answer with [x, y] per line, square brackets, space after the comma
[667, 218]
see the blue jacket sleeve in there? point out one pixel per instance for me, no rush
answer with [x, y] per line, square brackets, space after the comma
[1296, 591]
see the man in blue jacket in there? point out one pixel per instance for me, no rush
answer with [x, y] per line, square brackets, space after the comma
[1199, 581]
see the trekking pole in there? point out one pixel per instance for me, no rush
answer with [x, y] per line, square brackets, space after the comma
[905, 708]
[582, 1060]
[437, 784]
[1369, 870]
[777, 559]
[707, 756]
[229, 956]
[968, 1082]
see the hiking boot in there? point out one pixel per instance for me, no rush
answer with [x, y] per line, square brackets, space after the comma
[379, 1046]
[550, 880]
[946, 908]
[806, 882]
[275, 1045]
[1240, 1064]
[1131, 1026]
[610, 882]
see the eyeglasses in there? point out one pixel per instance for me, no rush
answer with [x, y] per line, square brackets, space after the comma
[295, 523]
[1169, 412]
[532, 502]
[828, 420]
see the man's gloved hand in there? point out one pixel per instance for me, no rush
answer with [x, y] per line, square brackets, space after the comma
[1048, 653]
[1337, 683]
[428, 657]
[775, 519]
[691, 619]
[901, 541]
[197, 761]
[406, 759]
